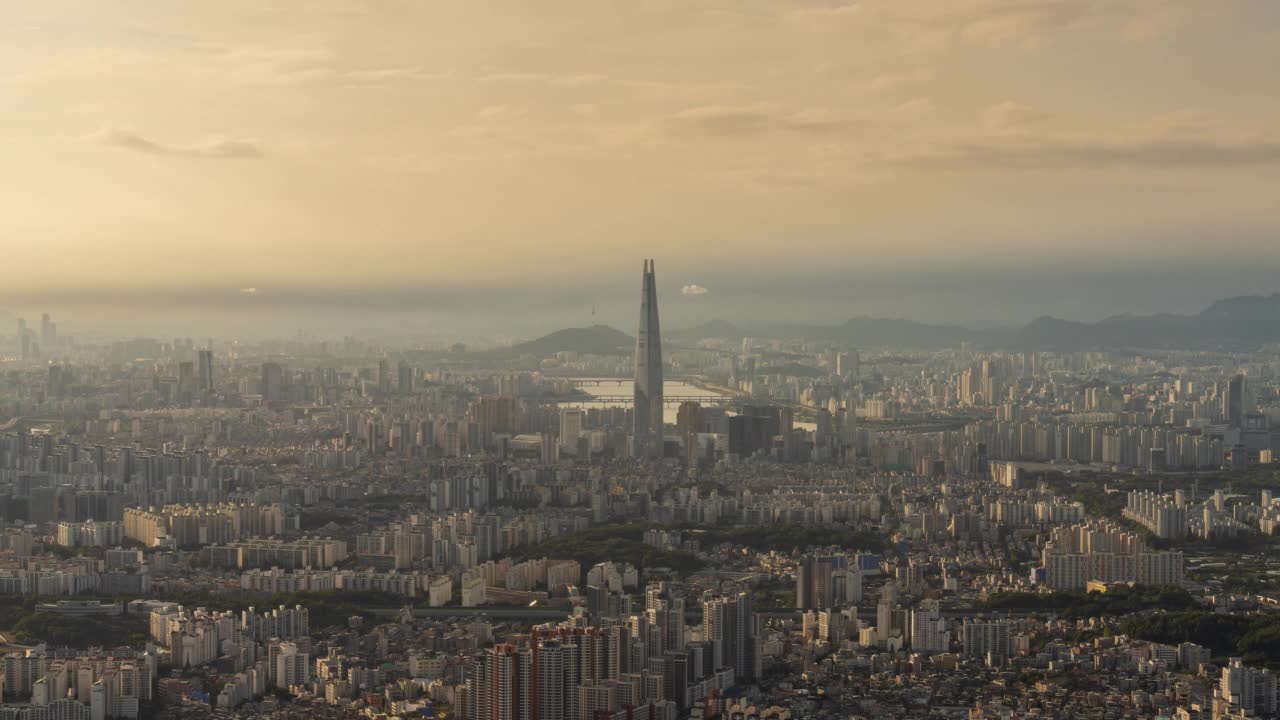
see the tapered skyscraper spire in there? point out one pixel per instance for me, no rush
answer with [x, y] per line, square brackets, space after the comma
[647, 435]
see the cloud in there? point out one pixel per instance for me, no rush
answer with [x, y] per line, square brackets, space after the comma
[693, 290]
[218, 148]
[411, 163]
[893, 81]
[1084, 153]
[491, 112]
[914, 108]
[825, 18]
[815, 122]
[774, 180]
[939, 22]
[1009, 116]
[741, 121]
[718, 120]
[568, 79]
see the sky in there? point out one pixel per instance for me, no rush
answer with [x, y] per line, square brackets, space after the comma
[975, 161]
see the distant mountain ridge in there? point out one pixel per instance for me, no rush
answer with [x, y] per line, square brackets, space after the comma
[594, 340]
[1244, 321]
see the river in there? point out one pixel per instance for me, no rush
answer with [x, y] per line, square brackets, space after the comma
[625, 388]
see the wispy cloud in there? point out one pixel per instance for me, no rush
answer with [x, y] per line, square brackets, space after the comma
[893, 81]
[1084, 153]
[937, 24]
[1031, 22]
[1011, 116]
[718, 120]
[738, 121]
[216, 148]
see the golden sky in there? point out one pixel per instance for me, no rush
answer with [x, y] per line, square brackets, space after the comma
[356, 142]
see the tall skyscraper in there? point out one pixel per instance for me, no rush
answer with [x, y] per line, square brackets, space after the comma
[186, 383]
[272, 383]
[384, 377]
[404, 377]
[647, 435]
[48, 331]
[1233, 401]
[204, 370]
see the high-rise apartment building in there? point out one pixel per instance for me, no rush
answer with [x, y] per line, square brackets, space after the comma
[987, 639]
[928, 629]
[730, 625]
[571, 427]
[1249, 689]
[822, 581]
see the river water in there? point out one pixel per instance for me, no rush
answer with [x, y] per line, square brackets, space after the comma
[614, 387]
[625, 387]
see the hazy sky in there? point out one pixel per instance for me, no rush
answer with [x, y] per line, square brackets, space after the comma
[484, 147]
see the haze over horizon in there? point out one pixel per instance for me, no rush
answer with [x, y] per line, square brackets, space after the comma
[969, 300]
[961, 161]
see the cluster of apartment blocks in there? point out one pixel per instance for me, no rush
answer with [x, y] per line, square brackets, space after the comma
[74, 577]
[192, 525]
[193, 638]
[1101, 551]
[1132, 446]
[285, 664]
[460, 539]
[1171, 518]
[1250, 692]
[682, 507]
[302, 554]
[89, 534]
[1021, 513]
[473, 583]
[1164, 516]
[75, 685]
[582, 673]
[437, 588]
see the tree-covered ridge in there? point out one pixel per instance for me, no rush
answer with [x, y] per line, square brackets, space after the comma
[1254, 637]
[1080, 604]
[620, 543]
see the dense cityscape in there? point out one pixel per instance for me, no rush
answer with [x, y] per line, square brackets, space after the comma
[591, 526]
[639, 360]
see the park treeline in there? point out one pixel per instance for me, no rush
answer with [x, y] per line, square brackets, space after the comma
[1080, 604]
[22, 622]
[626, 543]
[1252, 636]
